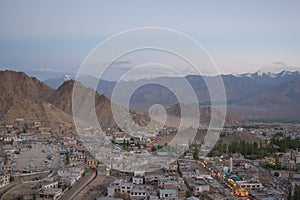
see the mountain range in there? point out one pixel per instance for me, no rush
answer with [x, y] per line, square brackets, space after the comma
[27, 97]
[259, 95]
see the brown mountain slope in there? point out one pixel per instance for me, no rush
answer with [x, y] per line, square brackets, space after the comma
[62, 98]
[12, 108]
[278, 102]
[25, 97]
[20, 85]
[284, 94]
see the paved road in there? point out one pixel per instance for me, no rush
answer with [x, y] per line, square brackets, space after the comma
[6, 189]
[77, 187]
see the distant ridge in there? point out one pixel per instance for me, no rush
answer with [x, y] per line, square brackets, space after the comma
[249, 95]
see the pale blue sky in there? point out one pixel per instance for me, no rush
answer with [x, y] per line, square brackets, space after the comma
[241, 36]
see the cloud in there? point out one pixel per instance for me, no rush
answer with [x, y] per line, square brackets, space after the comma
[280, 64]
[47, 69]
[122, 62]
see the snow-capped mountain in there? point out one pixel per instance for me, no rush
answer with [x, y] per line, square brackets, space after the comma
[275, 94]
[56, 82]
[261, 73]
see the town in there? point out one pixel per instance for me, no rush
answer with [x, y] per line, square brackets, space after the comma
[36, 165]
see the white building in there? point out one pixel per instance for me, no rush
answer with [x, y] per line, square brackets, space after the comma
[137, 180]
[126, 187]
[50, 185]
[4, 179]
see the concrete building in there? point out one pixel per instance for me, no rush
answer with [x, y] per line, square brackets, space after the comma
[52, 194]
[4, 179]
[249, 185]
[168, 194]
[199, 188]
[137, 180]
[50, 185]
[138, 193]
[126, 187]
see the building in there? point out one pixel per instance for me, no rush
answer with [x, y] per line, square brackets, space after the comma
[26, 136]
[230, 165]
[114, 187]
[52, 194]
[138, 193]
[103, 170]
[137, 180]
[126, 187]
[92, 163]
[50, 185]
[4, 178]
[168, 194]
[199, 188]
[2, 161]
[77, 157]
[249, 185]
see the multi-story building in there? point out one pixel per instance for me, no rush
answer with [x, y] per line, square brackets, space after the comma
[4, 178]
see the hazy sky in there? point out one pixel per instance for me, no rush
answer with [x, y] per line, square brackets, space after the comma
[240, 36]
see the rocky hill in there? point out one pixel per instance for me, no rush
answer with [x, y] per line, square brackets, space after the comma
[26, 97]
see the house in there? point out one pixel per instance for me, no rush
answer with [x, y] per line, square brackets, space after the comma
[69, 181]
[103, 170]
[4, 178]
[168, 194]
[114, 187]
[71, 173]
[249, 185]
[26, 136]
[137, 180]
[200, 187]
[52, 194]
[138, 193]
[77, 157]
[10, 137]
[92, 163]
[120, 137]
[2, 161]
[50, 185]
[126, 187]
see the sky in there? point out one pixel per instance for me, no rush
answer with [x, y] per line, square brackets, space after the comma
[49, 38]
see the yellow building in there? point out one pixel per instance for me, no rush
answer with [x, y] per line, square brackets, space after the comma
[92, 163]
[37, 124]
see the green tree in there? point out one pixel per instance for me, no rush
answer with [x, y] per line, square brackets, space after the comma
[276, 174]
[153, 149]
[68, 158]
[196, 153]
[139, 145]
[188, 193]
